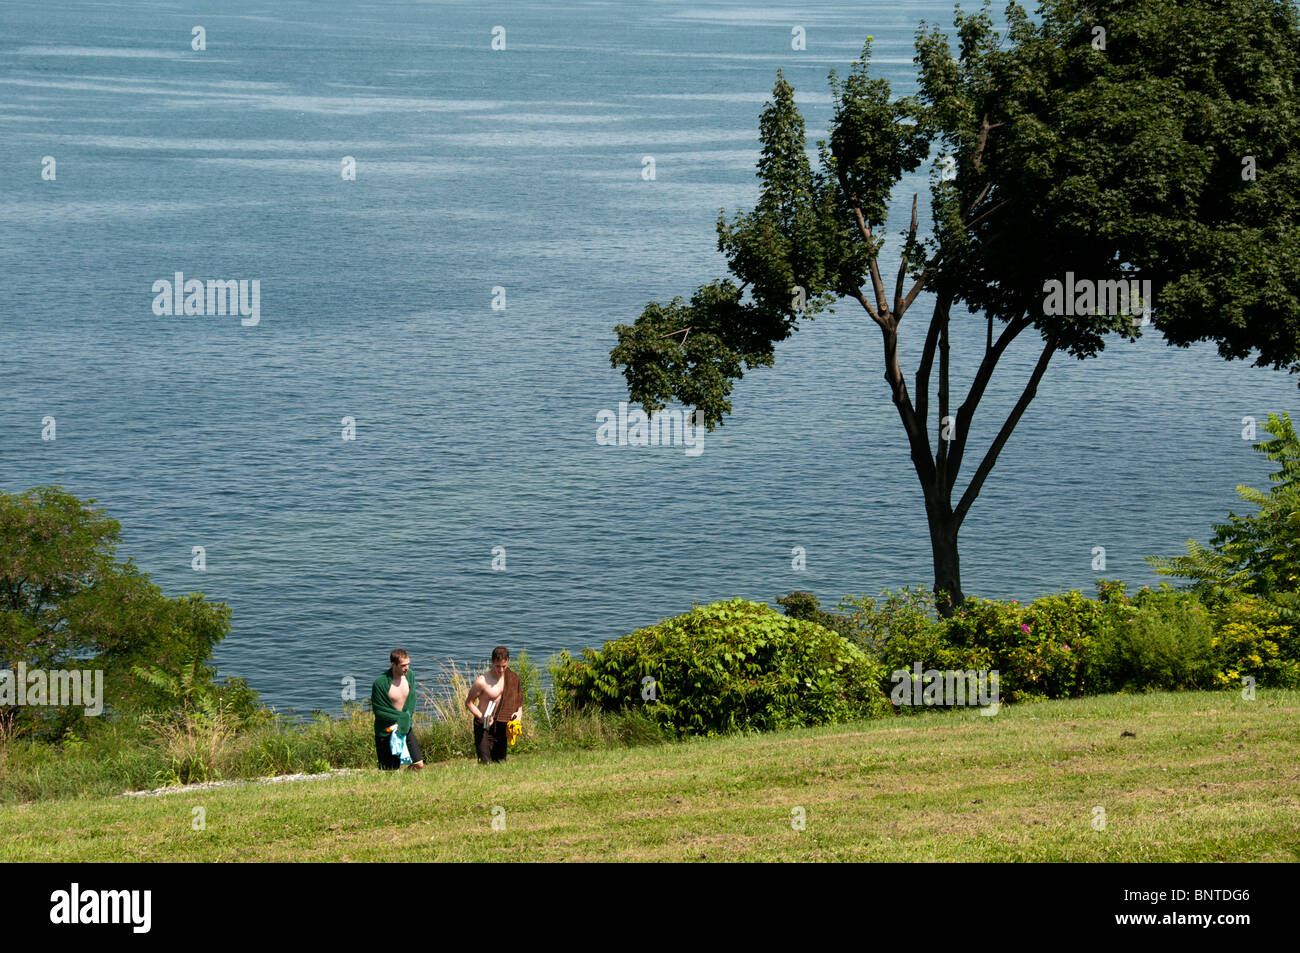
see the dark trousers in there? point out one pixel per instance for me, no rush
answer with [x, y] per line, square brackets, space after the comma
[490, 743]
[391, 762]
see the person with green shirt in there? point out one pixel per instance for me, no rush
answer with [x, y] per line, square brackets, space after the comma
[393, 703]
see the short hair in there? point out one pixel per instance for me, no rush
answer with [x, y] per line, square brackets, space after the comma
[500, 654]
[399, 655]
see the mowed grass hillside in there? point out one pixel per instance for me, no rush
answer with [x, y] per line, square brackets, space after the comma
[1206, 776]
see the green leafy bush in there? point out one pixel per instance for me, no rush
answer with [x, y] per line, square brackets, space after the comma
[907, 615]
[729, 666]
[902, 630]
[1161, 639]
[799, 604]
[1252, 639]
[1043, 650]
[804, 605]
[1112, 590]
[993, 633]
[1058, 653]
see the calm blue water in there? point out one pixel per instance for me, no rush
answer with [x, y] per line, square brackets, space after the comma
[476, 427]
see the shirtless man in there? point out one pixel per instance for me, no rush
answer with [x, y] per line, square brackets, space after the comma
[499, 690]
[393, 703]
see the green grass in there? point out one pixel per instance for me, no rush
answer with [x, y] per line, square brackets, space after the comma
[1209, 776]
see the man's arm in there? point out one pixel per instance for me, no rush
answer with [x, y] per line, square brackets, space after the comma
[474, 692]
[386, 716]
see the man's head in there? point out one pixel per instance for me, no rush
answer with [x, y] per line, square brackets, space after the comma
[400, 660]
[500, 660]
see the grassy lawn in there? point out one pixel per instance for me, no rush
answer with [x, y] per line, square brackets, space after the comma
[1209, 776]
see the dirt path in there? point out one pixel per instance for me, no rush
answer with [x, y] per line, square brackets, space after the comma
[207, 785]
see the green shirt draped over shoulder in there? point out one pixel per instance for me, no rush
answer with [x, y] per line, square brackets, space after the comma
[386, 712]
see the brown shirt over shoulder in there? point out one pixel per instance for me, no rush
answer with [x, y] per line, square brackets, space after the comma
[512, 698]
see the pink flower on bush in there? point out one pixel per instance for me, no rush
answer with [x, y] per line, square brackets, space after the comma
[1066, 646]
[1023, 627]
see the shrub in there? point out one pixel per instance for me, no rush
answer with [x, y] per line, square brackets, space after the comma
[1251, 639]
[1043, 650]
[908, 614]
[902, 630]
[1161, 639]
[729, 666]
[195, 743]
[1112, 590]
[805, 606]
[1058, 653]
[995, 634]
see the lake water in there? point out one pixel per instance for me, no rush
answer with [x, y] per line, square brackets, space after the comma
[518, 169]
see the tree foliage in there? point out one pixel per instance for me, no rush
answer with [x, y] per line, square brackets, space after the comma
[66, 602]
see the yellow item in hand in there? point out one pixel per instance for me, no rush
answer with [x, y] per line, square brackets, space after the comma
[514, 729]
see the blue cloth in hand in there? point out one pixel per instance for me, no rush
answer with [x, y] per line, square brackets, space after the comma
[397, 746]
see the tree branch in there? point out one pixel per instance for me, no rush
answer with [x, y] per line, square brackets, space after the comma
[966, 412]
[941, 458]
[875, 315]
[941, 307]
[899, 307]
[985, 128]
[985, 214]
[917, 437]
[916, 289]
[990, 458]
[877, 283]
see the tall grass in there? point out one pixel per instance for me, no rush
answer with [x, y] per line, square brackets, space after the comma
[196, 744]
[443, 724]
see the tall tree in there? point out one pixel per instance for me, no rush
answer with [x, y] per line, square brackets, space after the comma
[1116, 140]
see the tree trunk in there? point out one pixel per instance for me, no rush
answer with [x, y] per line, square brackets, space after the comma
[947, 565]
